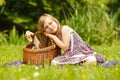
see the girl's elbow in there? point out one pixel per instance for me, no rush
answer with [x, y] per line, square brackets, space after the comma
[65, 48]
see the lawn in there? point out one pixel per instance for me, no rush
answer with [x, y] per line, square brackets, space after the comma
[9, 53]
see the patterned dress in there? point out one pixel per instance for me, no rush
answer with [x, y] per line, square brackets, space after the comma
[78, 51]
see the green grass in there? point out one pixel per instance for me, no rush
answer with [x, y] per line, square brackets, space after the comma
[9, 53]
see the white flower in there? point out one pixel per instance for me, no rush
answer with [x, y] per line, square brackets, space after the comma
[36, 74]
[19, 69]
[36, 67]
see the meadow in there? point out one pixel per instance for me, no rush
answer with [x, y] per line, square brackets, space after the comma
[11, 52]
[93, 20]
[11, 49]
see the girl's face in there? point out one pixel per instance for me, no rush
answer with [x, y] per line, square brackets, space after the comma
[50, 26]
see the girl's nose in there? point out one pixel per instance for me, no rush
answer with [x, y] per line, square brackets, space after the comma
[50, 27]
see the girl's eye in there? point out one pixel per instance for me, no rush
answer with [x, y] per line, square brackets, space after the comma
[50, 22]
[48, 25]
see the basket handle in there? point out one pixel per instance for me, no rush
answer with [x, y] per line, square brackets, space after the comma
[38, 32]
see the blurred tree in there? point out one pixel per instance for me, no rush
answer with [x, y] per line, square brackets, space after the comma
[24, 13]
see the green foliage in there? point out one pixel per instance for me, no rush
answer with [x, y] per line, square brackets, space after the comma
[93, 23]
[15, 39]
[2, 2]
[97, 21]
[12, 38]
[17, 19]
[3, 38]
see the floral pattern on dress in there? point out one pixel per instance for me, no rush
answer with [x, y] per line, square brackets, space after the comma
[77, 52]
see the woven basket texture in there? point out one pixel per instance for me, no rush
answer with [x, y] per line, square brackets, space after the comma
[40, 56]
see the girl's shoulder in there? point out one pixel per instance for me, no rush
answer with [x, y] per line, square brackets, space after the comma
[66, 28]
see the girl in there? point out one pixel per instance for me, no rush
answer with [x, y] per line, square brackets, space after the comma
[76, 51]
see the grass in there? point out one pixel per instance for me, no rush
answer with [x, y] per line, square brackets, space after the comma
[9, 53]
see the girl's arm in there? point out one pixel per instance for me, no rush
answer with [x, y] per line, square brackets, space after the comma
[64, 44]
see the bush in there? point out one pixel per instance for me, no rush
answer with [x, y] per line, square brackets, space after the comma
[12, 37]
[93, 23]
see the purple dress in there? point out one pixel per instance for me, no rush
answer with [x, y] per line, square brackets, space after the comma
[78, 51]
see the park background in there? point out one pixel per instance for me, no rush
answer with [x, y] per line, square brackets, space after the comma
[96, 21]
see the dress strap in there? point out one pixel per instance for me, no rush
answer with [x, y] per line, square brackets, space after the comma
[72, 40]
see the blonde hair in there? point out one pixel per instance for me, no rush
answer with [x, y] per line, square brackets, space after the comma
[45, 41]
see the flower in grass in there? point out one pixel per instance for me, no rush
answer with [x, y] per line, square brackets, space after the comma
[19, 69]
[83, 76]
[36, 67]
[36, 74]
[23, 79]
[116, 69]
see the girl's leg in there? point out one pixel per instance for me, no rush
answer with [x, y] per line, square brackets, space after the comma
[90, 60]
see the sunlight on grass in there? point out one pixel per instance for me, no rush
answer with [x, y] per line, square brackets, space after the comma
[31, 72]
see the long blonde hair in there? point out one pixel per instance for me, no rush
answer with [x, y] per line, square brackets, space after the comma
[45, 41]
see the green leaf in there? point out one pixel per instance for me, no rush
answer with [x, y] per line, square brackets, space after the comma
[2, 2]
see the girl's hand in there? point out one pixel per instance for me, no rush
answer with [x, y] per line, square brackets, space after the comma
[29, 35]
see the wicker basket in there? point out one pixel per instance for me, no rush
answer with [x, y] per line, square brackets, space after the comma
[40, 56]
